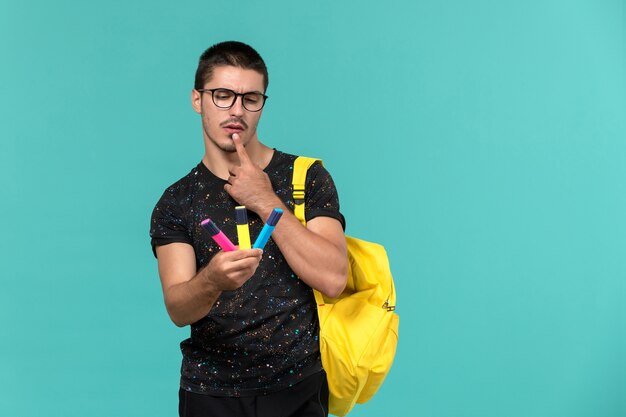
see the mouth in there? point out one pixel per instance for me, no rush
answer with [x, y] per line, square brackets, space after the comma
[231, 128]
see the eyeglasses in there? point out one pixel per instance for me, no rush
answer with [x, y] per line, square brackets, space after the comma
[225, 98]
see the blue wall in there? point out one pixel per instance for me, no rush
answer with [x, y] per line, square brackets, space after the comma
[495, 130]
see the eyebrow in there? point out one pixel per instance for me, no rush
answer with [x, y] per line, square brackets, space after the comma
[230, 89]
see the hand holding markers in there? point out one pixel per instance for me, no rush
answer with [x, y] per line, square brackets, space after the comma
[242, 230]
[228, 271]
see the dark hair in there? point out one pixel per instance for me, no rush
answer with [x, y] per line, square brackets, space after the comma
[233, 53]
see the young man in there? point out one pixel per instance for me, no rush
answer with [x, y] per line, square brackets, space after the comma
[254, 348]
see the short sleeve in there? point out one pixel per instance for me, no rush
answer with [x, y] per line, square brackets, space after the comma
[321, 198]
[168, 224]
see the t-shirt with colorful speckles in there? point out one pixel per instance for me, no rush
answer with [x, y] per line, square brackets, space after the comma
[262, 337]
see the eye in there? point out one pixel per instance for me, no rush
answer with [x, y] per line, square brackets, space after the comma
[252, 98]
[223, 94]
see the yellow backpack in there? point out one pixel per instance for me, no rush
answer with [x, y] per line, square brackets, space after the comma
[358, 329]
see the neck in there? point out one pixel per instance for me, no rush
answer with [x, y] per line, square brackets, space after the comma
[220, 162]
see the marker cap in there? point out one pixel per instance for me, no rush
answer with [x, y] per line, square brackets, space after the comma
[210, 227]
[241, 215]
[274, 217]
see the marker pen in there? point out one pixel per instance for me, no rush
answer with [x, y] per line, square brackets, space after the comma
[243, 232]
[267, 230]
[218, 236]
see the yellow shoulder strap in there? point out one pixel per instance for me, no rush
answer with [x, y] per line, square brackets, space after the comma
[300, 167]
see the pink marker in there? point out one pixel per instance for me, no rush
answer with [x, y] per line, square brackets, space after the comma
[218, 236]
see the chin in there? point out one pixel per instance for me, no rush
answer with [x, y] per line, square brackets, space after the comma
[223, 143]
[228, 146]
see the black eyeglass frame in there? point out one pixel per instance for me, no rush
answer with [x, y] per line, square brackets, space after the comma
[243, 102]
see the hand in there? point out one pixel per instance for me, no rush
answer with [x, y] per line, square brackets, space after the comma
[228, 271]
[248, 184]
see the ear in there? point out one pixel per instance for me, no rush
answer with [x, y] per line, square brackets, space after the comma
[196, 100]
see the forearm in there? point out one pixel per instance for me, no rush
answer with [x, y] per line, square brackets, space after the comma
[188, 302]
[318, 261]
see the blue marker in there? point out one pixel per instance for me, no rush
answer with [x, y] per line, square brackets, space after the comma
[267, 230]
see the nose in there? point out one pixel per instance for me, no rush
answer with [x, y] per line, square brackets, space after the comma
[237, 107]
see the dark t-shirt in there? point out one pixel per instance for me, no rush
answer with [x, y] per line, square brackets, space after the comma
[263, 336]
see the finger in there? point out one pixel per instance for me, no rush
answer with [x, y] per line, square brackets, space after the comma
[242, 267]
[241, 150]
[229, 190]
[251, 253]
[243, 254]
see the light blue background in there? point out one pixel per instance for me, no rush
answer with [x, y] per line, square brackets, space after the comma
[483, 143]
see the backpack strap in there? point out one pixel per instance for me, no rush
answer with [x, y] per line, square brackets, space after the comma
[300, 167]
